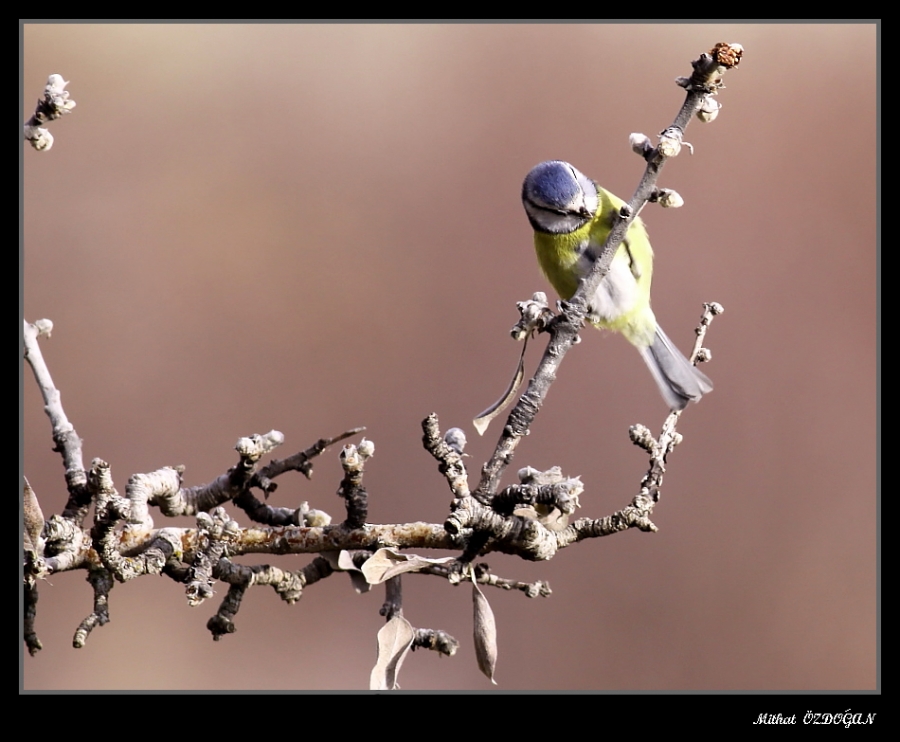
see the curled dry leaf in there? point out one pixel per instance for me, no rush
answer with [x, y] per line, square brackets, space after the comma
[387, 563]
[33, 519]
[342, 561]
[394, 640]
[483, 419]
[485, 634]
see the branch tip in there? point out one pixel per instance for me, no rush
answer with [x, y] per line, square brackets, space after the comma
[54, 104]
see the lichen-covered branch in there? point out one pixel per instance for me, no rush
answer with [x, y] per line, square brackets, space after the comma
[288, 586]
[65, 439]
[301, 462]
[457, 572]
[102, 582]
[448, 451]
[435, 640]
[353, 460]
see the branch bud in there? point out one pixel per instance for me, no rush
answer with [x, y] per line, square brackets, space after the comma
[669, 199]
[640, 144]
[456, 439]
[535, 315]
[527, 473]
[640, 436]
[530, 475]
[41, 139]
[727, 55]
[317, 518]
[56, 94]
[670, 142]
[365, 448]
[44, 327]
[708, 109]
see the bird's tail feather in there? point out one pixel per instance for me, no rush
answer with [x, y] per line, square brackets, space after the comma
[678, 380]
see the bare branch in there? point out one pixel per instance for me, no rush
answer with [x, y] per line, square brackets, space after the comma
[30, 610]
[301, 462]
[393, 598]
[65, 438]
[448, 451]
[288, 586]
[102, 582]
[353, 459]
[435, 640]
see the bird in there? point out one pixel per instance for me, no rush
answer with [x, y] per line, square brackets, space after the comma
[572, 216]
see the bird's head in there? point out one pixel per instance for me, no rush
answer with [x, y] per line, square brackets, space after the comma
[558, 197]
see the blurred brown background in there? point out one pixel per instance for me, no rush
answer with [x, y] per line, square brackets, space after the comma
[313, 227]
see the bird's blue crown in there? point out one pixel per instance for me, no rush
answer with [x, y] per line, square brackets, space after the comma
[552, 183]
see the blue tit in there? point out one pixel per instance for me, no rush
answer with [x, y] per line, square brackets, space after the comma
[572, 217]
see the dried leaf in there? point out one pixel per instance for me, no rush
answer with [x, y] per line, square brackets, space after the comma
[387, 563]
[394, 640]
[332, 558]
[342, 561]
[359, 582]
[33, 519]
[483, 419]
[485, 634]
[345, 561]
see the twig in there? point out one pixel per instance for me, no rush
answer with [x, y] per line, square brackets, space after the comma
[301, 462]
[448, 451]
[65, 439]
[353, 459]
[435, 640]
[102, 582]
